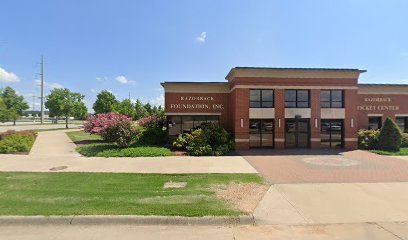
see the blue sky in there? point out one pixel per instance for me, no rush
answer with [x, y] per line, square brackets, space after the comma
[132, 46]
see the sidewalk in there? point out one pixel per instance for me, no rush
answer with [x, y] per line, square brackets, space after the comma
[362, 231]
[54, 149]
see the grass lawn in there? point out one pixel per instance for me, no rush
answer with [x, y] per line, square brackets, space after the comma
[402, 152]
[115, 194]
[95, 147]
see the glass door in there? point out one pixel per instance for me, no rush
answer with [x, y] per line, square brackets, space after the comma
[261, 133]
[297, 133]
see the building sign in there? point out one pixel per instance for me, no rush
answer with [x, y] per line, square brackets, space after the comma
[377, 104]
[197, 103]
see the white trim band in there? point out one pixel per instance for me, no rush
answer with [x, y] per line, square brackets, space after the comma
[279, 140]
[241, 140]
[350, 139]
[195, 114]
[290, 87]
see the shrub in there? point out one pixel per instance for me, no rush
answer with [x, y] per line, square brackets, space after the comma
[12, 142]
[154, 132]
[113, 127]
[368, 139]
[390, 136]
[404, 140]
[209, 139]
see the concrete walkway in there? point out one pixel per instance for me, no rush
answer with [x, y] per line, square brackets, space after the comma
[54, 149]
[325, 203]
[37, 127]
[362, 231]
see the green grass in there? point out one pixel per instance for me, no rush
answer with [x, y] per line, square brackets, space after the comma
[112, 150]
[82, 136]
[401, 152]
[101, 149]
[114, 194]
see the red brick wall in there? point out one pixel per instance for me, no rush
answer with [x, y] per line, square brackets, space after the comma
[217, 98]
[377, 107]
[351, 119]
[315, 114]
[279, 114]
[240, 110]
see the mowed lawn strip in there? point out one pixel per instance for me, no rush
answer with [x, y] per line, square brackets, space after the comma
[115, 194]
[93, 146]
[401, 152]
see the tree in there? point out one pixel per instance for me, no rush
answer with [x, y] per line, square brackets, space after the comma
[15, 104]
[127, 107]
[4, 112]
[390, 136]
[105, 102]
[140, 110]
[64, 103]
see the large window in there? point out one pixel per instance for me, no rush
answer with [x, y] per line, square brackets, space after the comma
[331, 99]
[374, 122]
[180, 124]
[402, 122]
[261, 98]
[331, 133]
[297, 98]
[261, 132]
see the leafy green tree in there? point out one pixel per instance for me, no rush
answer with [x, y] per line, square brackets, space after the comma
[15, 104]
[140, 110]
[127, 107]
[105, 102]
[149, 108]
[64, 103]
[390, 136]
[4, 112]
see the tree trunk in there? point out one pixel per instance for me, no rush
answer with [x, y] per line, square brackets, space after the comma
[14, 122]
[66, 122]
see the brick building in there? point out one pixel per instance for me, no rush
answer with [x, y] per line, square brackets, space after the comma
[286, 107]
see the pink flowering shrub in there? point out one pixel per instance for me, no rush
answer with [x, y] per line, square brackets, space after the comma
[151, 121]
[113, 127]
[154, 132]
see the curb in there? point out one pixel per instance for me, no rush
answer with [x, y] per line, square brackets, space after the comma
[126, 219]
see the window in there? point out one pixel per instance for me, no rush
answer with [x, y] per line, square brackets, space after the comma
[402, 122]
[180, 124]
[297, 98]
[374, 122]
[331, 99]
[261, 98]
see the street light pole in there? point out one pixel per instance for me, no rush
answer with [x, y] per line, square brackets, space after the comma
[42, 90]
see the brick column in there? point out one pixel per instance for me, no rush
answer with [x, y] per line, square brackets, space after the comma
[315, 118]
[279, 117]
[240, 108]
[350, 121]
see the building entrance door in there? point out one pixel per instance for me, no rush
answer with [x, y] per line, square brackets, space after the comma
[261, 133]
[297, 133]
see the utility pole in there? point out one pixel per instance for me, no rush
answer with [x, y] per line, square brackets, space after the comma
[129, 96]
[42, 90]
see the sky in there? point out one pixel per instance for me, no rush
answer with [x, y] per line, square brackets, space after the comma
[129, 47]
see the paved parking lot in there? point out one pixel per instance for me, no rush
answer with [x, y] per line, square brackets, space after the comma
[310, 166]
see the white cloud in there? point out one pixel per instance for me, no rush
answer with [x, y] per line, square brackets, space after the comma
[8, 77]
[49, 85]
[122, 79]
[93, 90]
[101, 78]
[202, 37]
[158, 101]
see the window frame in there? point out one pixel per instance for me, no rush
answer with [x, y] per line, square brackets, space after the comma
[261, 101]
[331, 98]
[379, 122]
[296, 99]
[195, 119]
[405, 120]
